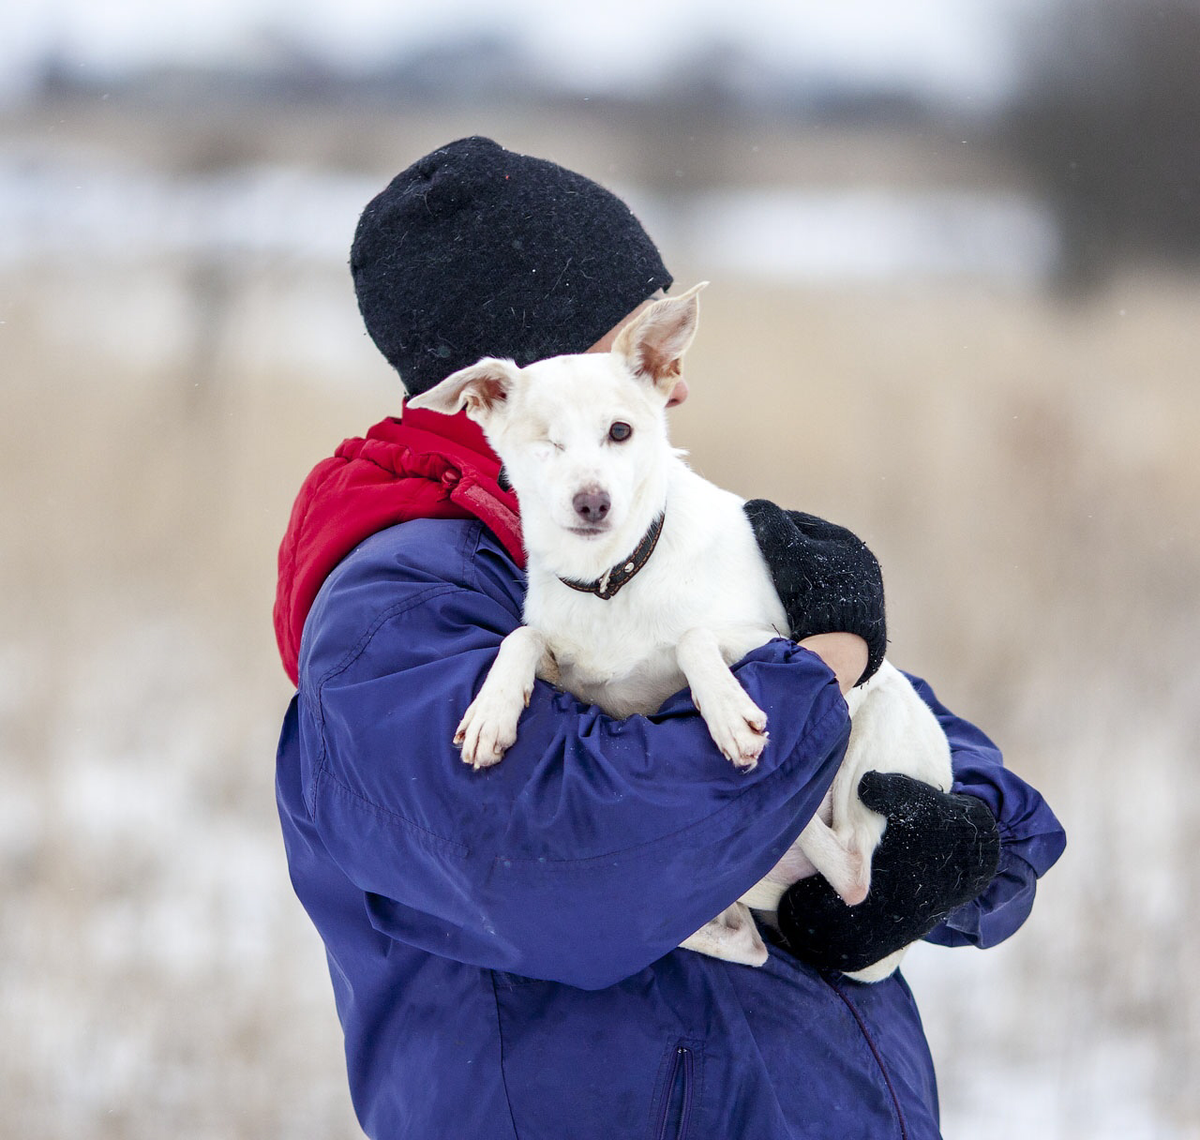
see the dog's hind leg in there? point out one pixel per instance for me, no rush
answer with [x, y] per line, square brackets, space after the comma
[844, 862]
[877, 971]
[731, 936]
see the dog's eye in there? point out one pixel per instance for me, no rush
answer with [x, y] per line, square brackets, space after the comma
[620, 432]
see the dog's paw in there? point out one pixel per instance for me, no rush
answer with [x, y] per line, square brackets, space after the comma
[489, 727]
[738, 726]
[747, 745]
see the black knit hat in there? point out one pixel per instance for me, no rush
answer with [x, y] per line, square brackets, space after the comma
[475, 251]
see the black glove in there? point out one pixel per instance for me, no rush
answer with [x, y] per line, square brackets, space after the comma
[825, 576]
[939, 851]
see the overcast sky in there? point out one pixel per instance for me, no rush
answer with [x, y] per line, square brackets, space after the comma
[953, 48]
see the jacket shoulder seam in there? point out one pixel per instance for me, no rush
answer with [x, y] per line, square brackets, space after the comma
[321, 767]
[430, 839]
[381, 619]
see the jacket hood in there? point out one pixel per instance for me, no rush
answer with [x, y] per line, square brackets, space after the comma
[421, 466]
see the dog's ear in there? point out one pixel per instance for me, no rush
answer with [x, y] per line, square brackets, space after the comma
[483, 389]
[654, 344]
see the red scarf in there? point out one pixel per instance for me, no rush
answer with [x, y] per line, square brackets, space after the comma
[427, 466]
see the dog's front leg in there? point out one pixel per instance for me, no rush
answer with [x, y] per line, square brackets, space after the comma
[489, 727]
[736, 723]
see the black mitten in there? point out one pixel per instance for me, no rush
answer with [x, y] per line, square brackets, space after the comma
[940, 850]
[825, 576]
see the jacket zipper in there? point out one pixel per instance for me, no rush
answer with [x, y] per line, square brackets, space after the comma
[883, 1072]
[678, 1091]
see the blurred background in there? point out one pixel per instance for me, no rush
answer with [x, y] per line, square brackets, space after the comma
[955, 254]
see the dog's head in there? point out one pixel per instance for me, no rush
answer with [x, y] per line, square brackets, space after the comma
[583, 438]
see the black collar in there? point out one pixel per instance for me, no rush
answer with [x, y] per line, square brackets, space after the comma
[616, 576]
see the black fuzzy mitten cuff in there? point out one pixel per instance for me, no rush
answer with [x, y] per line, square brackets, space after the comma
[826, 577]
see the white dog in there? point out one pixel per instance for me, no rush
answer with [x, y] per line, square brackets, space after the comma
[644, 577]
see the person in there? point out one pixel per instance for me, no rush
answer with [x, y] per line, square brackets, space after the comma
[503, 944]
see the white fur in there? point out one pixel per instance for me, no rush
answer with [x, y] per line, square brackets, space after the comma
[702, 601]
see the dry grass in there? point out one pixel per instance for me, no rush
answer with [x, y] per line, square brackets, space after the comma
[1026, 473]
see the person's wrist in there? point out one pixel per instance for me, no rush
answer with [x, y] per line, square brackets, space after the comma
[846, 654]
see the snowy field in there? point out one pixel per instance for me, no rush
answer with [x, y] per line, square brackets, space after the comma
[1026, 471]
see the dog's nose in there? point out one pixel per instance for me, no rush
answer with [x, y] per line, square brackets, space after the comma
[592, 506]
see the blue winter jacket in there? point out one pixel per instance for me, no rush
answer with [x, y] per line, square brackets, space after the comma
[503, 943]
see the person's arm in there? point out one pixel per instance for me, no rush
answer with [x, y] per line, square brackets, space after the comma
[955, 868]
[596, 845]
[846, 654]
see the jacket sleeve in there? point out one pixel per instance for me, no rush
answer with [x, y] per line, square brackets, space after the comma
[596, 845]
[1031, 838]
